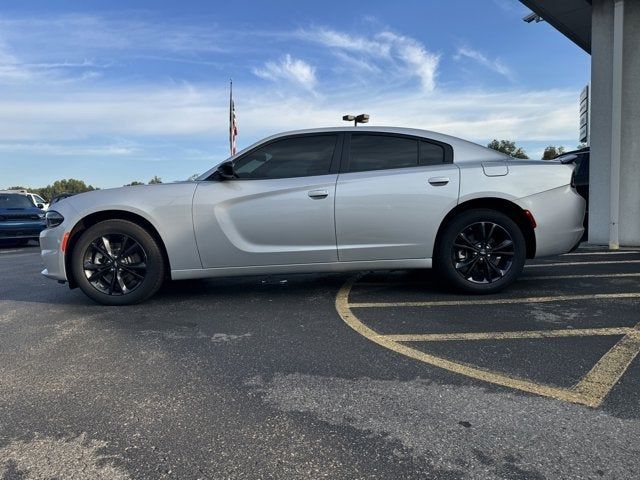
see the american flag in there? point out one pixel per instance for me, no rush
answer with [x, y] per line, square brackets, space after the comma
[233, 127]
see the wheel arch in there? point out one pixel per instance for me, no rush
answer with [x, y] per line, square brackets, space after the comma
[96, 217]
[512, 210]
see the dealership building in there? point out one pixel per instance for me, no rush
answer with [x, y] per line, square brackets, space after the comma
[610, 31]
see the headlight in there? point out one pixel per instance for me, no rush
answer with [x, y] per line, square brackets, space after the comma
[53, 218]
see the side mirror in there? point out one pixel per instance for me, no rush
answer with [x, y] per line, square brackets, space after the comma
[226, 171]
[40, 206]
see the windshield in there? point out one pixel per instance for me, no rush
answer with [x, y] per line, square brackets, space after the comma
[14, 200]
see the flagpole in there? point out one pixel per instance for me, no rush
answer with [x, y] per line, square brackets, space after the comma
[231, 116]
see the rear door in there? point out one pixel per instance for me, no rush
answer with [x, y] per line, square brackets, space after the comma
[391, 196]
[279, 211]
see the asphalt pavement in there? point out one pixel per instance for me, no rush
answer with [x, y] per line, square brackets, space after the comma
[377, 375]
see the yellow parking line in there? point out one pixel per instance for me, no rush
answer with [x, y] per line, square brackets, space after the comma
[596, 384]
[525, 278]
[569, 332]
[590, 391]
[569, 277]
[342, 306]
[573, 264]
[496, 301]
[618, 252]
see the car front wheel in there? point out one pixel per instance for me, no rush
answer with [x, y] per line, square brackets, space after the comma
[480, 251]
[116, 262]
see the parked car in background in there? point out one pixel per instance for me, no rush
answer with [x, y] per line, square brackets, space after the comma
[36, 199]
[59, 197]
[20, 219]
[322, 200]
[581, 174]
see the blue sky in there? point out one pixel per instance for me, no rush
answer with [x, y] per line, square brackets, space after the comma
[115, 91]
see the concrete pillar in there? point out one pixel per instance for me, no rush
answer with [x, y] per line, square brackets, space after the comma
[606, 139]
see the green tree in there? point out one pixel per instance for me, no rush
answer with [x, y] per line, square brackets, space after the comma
[154, 180]
[69, 185]
[552, 152]
[508, 147]
[134, 183]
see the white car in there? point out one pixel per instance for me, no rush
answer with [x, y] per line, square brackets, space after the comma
[322, 200]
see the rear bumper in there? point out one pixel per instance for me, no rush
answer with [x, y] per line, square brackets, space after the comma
[559, 215]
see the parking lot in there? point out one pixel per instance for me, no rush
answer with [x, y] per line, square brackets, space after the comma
[378, 375]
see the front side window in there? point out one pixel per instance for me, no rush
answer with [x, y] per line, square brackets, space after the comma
[288, 158]
[380, 152]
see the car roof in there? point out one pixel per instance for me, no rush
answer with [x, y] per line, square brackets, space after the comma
[463, 150]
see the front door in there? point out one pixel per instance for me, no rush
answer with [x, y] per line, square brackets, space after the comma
[279, 211]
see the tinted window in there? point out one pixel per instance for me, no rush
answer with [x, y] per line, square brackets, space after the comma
[431, 154]
[292, 157]
[14, 200]
[379, 152]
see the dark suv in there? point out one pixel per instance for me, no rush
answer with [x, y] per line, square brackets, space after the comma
[20, 219]
[580, 175]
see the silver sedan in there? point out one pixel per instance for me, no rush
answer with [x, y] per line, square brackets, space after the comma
[322, 200]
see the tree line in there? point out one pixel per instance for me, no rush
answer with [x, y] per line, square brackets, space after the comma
[72, 185]
[510, 148]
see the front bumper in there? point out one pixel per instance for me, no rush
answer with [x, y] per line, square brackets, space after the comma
[559, 214]
[20, 230]
[51, 253]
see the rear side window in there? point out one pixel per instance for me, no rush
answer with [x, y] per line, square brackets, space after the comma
[380, 152]
[288, 158]
[431, 154]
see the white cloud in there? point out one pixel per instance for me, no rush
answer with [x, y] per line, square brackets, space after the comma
[421, 62]
[194, 112]
[14, 70]
[395, 57]
[344, 41]
[61, 149]
[495, 65]
[290, 69]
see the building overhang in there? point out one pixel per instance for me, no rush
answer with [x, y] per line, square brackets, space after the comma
[570, 17]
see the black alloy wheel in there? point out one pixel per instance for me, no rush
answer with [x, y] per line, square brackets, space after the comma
[118, 262]
[483, 252]
[480, 251]
[115, 264]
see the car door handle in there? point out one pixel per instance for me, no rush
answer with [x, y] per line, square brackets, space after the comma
[318, 194]
[438, 181]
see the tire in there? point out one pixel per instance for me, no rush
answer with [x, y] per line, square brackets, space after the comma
[469, 263]
[122, 247]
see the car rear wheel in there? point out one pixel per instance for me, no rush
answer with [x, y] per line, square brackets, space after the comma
[117, 262]
[480, 251]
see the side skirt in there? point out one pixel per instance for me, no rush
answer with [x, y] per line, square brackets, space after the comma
[403, 264]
